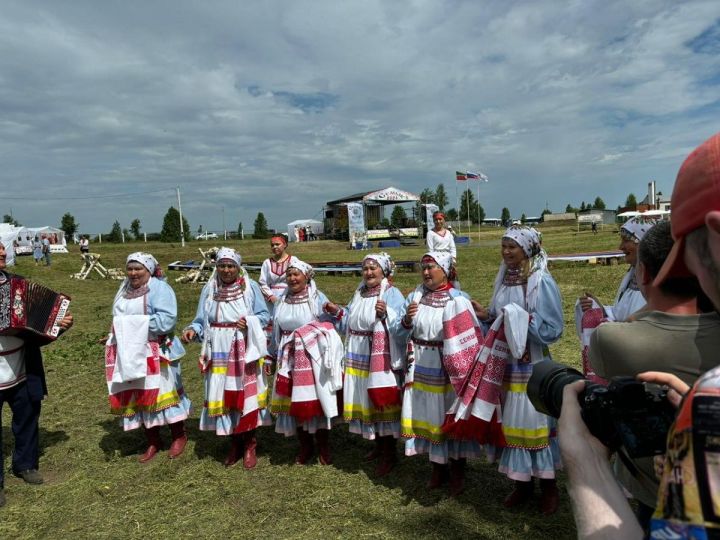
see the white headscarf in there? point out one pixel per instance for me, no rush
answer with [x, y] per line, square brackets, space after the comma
[147, 260]
[526, 237]
[442, 258]
[306, 269]
[530, 240]
[384, 261]
[638, 227]
[228, 254]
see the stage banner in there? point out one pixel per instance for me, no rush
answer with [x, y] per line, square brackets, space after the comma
[356, 220]
[430, 209]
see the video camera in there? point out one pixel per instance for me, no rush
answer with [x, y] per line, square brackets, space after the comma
[627, 413]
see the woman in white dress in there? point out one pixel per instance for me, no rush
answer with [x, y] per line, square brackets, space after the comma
[371, 390]
[230, 318]
[441, 238]
[142, 357]
[305, 401]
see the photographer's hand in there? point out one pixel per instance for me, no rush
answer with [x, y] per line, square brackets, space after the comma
[677, 388]
[599, 506]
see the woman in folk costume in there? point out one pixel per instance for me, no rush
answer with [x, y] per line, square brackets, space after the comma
[230, 318]
[440, 238]
[272, 273]
[142, 357]
[531, 447]
[308, 353]
[442, 337]
[590, 313]
[371, 393]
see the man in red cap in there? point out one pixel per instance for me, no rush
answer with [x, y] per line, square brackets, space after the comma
[688, 503]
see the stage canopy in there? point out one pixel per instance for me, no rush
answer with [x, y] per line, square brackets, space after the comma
[388, 195]
[316, 226]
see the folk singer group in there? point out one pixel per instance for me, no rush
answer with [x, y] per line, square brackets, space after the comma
[436, 368]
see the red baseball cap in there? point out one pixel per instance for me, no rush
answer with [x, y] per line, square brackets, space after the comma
[696, 192]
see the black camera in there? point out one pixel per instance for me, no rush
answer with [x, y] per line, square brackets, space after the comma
[627, 413]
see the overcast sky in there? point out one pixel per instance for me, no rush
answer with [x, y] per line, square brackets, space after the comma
[280, 106]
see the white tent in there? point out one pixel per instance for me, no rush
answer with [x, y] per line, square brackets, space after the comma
[54, 235]
[315, 226]
[8, 235]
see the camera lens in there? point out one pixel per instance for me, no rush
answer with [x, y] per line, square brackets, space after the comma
[546, 384]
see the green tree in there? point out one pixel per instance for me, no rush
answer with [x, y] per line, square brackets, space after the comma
[427, 196]
[135, 228]
[398, 217]
[570, 209]
[441, 197]
[240, 230]
[505, 216]
[599, 204]
[261, 226]
[7, 218]
[523, 218]
[115, 234]
[67, 224]
[171, 226]
[631, 201]
[582, 206]
[451, 214]
[470, 209]
[545, 211]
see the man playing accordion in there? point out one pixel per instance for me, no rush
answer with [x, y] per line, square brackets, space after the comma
[22, 387]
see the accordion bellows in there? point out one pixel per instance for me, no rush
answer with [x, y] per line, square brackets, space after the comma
[30, 310]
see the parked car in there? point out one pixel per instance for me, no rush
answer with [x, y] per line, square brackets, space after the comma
[206, 236]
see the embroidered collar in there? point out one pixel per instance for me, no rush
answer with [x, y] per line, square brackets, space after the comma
[228, 293]
[369, 292]
[514, 276]
[131, 293]
[299, 298]
[436, 298]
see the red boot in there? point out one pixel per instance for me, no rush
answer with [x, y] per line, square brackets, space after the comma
[179, 439]
[376, 452]
[522, 493]
[322, 438]
[236, 450]
[154, 444]
[249, 457]
[549, 497]
[439, 476]
[389, 456]
[457, 476]
[306, 447]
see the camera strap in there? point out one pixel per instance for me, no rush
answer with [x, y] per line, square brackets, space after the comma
[629, 465]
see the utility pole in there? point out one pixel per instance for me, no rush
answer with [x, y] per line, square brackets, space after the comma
[224, 229]
[182, 231]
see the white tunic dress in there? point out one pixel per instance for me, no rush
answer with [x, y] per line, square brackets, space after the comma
[441, 242]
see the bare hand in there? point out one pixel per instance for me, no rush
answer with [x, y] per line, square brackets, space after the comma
[677, 387]
[66, 322]
[272, 298]
[586, 302]
[577, 445]
[381, 308]
[269, 367]
[331, 308]
[242, 323]
[188, 335]
[412, 310]
[482, 313]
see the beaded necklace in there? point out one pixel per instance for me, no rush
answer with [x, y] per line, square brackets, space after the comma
[228, 293]
[369, 292]
[514, 276]
[298, 298]
[131, 293]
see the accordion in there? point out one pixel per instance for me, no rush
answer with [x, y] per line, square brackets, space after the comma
[31, 311]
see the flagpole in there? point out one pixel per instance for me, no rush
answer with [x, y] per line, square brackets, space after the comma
[478, 208]
[457, 204]
[467, 206]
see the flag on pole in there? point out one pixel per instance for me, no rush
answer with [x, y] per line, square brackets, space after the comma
[476, 176]
[459, 175]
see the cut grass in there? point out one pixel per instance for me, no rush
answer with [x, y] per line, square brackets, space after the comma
[95, 488]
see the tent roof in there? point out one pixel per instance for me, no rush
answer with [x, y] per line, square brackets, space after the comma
[629, 213]
[388, 195]
[299, 221]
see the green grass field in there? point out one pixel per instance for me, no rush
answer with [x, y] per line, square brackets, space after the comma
[95, 488]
